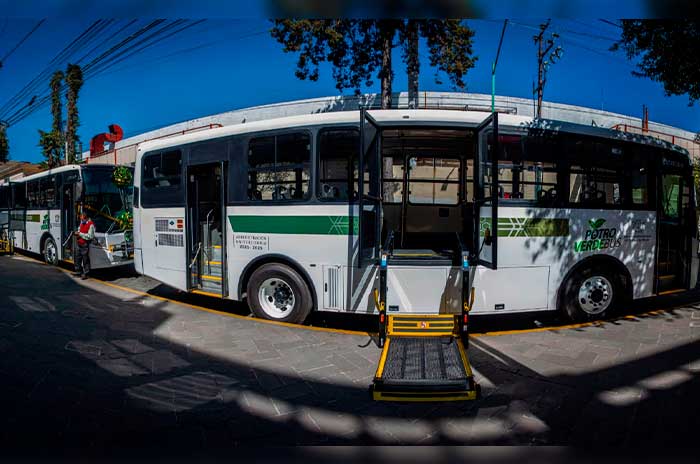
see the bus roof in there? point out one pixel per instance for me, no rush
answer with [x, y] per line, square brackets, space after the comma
[404, 118]
[69, 167]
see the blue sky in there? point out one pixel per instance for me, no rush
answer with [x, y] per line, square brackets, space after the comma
[224, 64]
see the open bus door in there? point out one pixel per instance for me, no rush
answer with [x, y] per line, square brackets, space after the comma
[370, 194]
[206, 226]
[368, 212]
[486, 193]
[69, 213]
[676, 228]
[18, 216]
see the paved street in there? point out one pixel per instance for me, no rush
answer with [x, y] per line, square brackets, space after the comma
[89, 367]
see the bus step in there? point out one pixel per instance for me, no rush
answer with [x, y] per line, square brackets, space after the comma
[214, 253]
[423, 360]
[667, 282]
[211, 286]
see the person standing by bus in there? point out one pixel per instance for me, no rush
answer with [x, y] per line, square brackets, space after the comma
[85, 234]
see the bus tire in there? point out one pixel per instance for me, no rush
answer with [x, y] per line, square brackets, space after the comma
[277, 292]
[50, 252]
[590, 294]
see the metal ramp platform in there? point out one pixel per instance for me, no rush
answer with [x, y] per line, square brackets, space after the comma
[424, 360]
[424, 356]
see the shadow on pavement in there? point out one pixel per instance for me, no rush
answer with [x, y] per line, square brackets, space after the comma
[90, 374]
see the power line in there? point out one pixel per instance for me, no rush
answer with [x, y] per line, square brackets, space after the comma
[610, 22]
[28, 109]
[34, 84]
[19, 44]
[107, 59]
[104, 29]
[135, 48]
[595, 36]
[571, 41]
[594, 26]
[140, 50]
[183, 51]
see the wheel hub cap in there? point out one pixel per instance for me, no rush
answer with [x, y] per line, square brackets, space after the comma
[595, 294]
[276, 298]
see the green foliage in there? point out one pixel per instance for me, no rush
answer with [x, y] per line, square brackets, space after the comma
[360, 49]
[667, 52]
[74, 82]
[122, 177]
[4, 145]
[51, 144]
[124, 220]
[56, 103]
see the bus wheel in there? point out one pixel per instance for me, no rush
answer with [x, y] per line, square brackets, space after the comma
[50, 252]
[590, 294]
[278, 292]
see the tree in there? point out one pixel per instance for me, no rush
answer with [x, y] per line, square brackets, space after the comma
[51, 145]
[357, 48]
[667, 53]
[4, 145]
[74, 82]
[51, 142]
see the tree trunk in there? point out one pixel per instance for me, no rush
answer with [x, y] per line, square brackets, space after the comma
[412, 62]
[386, 74]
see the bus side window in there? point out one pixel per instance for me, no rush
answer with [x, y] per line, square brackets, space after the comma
[48, 189]
[33, 194]
[337, 172]
[596, 172]
[19, 194]
[161, 179]
[527, 170]
[279, 167]
[5, 196]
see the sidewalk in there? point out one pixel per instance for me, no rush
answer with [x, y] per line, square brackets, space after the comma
[88, 367]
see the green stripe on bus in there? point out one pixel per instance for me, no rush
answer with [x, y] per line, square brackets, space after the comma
[528, 227]
[33, 218]
[310, 225]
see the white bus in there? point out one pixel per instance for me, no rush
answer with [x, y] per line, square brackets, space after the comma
[43, 211]
[576, 218]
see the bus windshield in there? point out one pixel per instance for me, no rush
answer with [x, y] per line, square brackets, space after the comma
[103, 199]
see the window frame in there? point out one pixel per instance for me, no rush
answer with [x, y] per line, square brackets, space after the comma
[643, 153]
[171, 196]
[458, 182]
[559, 165]
[317, 172]
[311, 197]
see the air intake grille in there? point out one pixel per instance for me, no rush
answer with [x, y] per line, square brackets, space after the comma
[333, 287]
[173, 240]
[161, 225]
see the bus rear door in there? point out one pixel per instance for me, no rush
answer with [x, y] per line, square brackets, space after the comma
[486, 193]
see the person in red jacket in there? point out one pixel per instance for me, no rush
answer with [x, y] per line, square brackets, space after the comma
[85, 234]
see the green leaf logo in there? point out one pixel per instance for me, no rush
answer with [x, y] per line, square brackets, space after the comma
[596, 223]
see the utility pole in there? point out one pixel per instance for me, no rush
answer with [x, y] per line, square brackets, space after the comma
[493, 68]
[542, 64]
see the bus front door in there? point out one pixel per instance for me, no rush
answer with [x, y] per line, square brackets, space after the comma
[486, 193]
[68, 218]
[367, 215]
[674, 234]
[206, 229]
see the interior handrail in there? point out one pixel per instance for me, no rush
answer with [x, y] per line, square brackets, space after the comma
[388, 247]
[194, 259]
